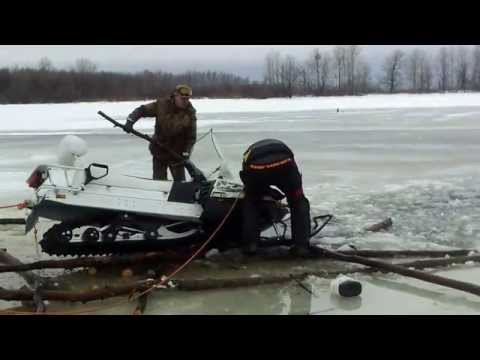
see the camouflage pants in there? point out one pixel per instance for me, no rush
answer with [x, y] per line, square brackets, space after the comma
[160, 171]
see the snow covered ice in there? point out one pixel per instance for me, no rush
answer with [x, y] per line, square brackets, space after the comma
[409, 157]
[413, 158]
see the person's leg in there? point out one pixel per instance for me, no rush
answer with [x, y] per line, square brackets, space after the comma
[178, 172]
[290, 182]
[159, 170]
[251, 227]
[301, 228]
[250, 211]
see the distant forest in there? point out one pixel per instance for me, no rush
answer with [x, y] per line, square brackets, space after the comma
[341, 71]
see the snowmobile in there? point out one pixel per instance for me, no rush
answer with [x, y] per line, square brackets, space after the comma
[101, 212]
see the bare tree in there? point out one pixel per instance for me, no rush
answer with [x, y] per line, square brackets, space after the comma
[83, 65]
[413, 68]
[277, 61]
[425, 73]
[475, 78]
[451, 61]
[443, 69]
[325, 73]
[304, 78]
[392, 68]
[352, 53]
[339, 54]
[362, 78]
[269, 72]
[461, 67]
[273, 72]
[5, 81]
[290, 73]
[45, 64]
[319, 71]
[314, 66]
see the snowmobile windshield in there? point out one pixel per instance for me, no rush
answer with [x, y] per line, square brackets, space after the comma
[208, 156]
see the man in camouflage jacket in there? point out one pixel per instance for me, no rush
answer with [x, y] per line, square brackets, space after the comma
[175, 129]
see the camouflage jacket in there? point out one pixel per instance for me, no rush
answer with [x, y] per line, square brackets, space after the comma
[174, 127]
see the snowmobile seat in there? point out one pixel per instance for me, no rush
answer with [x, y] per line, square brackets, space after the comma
[183, 192]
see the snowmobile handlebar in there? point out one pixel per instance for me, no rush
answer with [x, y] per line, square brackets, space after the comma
[193, 171]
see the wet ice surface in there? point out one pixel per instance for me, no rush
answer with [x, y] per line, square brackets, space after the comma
[415, 165]
[381, 295]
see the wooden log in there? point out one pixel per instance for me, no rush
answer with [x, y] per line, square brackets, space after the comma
[14, 221]
[426, 263]
[30, 278]
[81, 296]
[455, 284]
[210, 284]
[285, 255]
[432, 263]
[93, 262]
[104, 261]
[142, 285]
[34, 281]
[408, 253]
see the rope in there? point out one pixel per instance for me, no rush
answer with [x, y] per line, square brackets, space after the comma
[21, 205]
[164, 279]
[72, 312]
[35, 236]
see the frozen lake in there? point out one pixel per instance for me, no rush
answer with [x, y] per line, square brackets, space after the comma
[402, 157]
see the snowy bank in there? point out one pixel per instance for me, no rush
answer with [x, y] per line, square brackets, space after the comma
[78, 116]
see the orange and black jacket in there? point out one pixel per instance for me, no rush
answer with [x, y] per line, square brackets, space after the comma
[267, 154]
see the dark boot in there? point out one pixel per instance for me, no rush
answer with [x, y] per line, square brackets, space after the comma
[301, 228]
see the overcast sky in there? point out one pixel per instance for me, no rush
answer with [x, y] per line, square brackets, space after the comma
[244, 60]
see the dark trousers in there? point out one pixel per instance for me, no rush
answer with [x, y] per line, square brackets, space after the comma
[160, 171]
[289, 180]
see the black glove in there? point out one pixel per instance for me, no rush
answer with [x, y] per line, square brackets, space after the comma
[128, 126]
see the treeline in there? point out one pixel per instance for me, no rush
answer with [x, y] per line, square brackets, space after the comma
[339, 72]
[45, 84]
[450, 69]
[343, 70]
